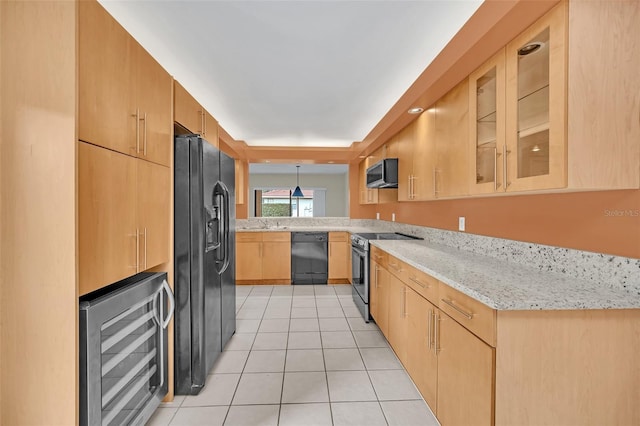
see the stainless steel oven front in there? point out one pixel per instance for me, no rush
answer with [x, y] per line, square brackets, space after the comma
[360, 275]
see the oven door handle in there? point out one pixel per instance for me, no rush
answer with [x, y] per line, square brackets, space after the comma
[359, 250]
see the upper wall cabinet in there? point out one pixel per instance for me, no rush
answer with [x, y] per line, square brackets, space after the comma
[535, 155]
[451, 141]
[416, 159]
[367, 195]
[124, 99]
[193, 117]
[486, 126]
[551, 112]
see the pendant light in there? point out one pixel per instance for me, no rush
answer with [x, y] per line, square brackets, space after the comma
[297, 192]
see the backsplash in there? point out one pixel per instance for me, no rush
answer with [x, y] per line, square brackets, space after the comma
[613, 271]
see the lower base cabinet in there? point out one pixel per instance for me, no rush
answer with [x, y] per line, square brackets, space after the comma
[465, 375]
[477, 366]
[422, 358]
[263, 257]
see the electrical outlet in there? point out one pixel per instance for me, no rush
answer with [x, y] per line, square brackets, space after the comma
[377, 216]
[461, 223]
[393, 217]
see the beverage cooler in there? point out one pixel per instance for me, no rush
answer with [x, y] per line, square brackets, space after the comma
[123, 350]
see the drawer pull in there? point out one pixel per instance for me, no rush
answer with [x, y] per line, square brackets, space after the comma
[465, 313]
[423, 285]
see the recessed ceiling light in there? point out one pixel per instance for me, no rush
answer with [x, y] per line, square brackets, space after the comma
[415, 110]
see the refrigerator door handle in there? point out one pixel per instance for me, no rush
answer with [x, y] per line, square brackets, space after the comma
[227, 214]
[222, 192]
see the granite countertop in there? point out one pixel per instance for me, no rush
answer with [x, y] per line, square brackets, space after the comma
[337, 228]
[505, 285]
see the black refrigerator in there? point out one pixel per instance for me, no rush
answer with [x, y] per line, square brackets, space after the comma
[205, 317]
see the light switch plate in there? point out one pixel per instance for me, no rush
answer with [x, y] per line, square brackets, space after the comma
[378, 216]
[393, 217]
[461, 223]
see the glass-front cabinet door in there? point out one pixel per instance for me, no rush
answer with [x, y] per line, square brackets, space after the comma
[487, 124]
[535, 153]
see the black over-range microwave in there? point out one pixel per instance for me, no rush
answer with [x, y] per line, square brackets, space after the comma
[383, 174]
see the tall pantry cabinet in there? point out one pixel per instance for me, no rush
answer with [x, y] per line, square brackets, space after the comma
[124, 153]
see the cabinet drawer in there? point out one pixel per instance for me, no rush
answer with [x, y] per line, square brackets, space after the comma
[475, 316]
[248, 237]
[335, 237]
[397, 268]
[378, 256]
[424, 284]
[276, 236]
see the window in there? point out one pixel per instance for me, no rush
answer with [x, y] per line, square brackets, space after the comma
[280, 203]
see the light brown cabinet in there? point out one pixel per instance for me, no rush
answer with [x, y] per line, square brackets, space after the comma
[339, 257]
[123, 216]
[367, 195]
[536, 94]
[452, 138]
[124, 100]
[422, 359]
[189, 114]
[248, 256]
[417, 159]
[398, 320]
[438, 342]
[263, 258]
[465, 373]
[379, 290]
[487, 126]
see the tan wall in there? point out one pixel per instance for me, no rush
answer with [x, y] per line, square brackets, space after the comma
[38, 173]
[604, 221]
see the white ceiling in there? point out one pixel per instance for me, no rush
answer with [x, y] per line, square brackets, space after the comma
[294, 73]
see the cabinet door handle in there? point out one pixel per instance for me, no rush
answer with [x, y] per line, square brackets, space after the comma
[435, 182]
[505, 173]
[418, 282]
[375, 275]
[436, 333]
[137, 250]
[201, 123]
[495, 169]
[144, 139]
[137, 116]
[429, 326]
[404, 302]
[204, 122]
[409, 187]
[136, 237]
[466, 314]
[145, 248]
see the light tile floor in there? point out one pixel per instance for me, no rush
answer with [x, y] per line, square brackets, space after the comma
[302, 356]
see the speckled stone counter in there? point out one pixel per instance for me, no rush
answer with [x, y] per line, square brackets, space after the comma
[505, 285]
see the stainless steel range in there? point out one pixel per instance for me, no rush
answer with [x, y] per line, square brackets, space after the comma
[360, 265]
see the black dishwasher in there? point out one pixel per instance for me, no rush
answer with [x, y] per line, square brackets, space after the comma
[309, 262]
